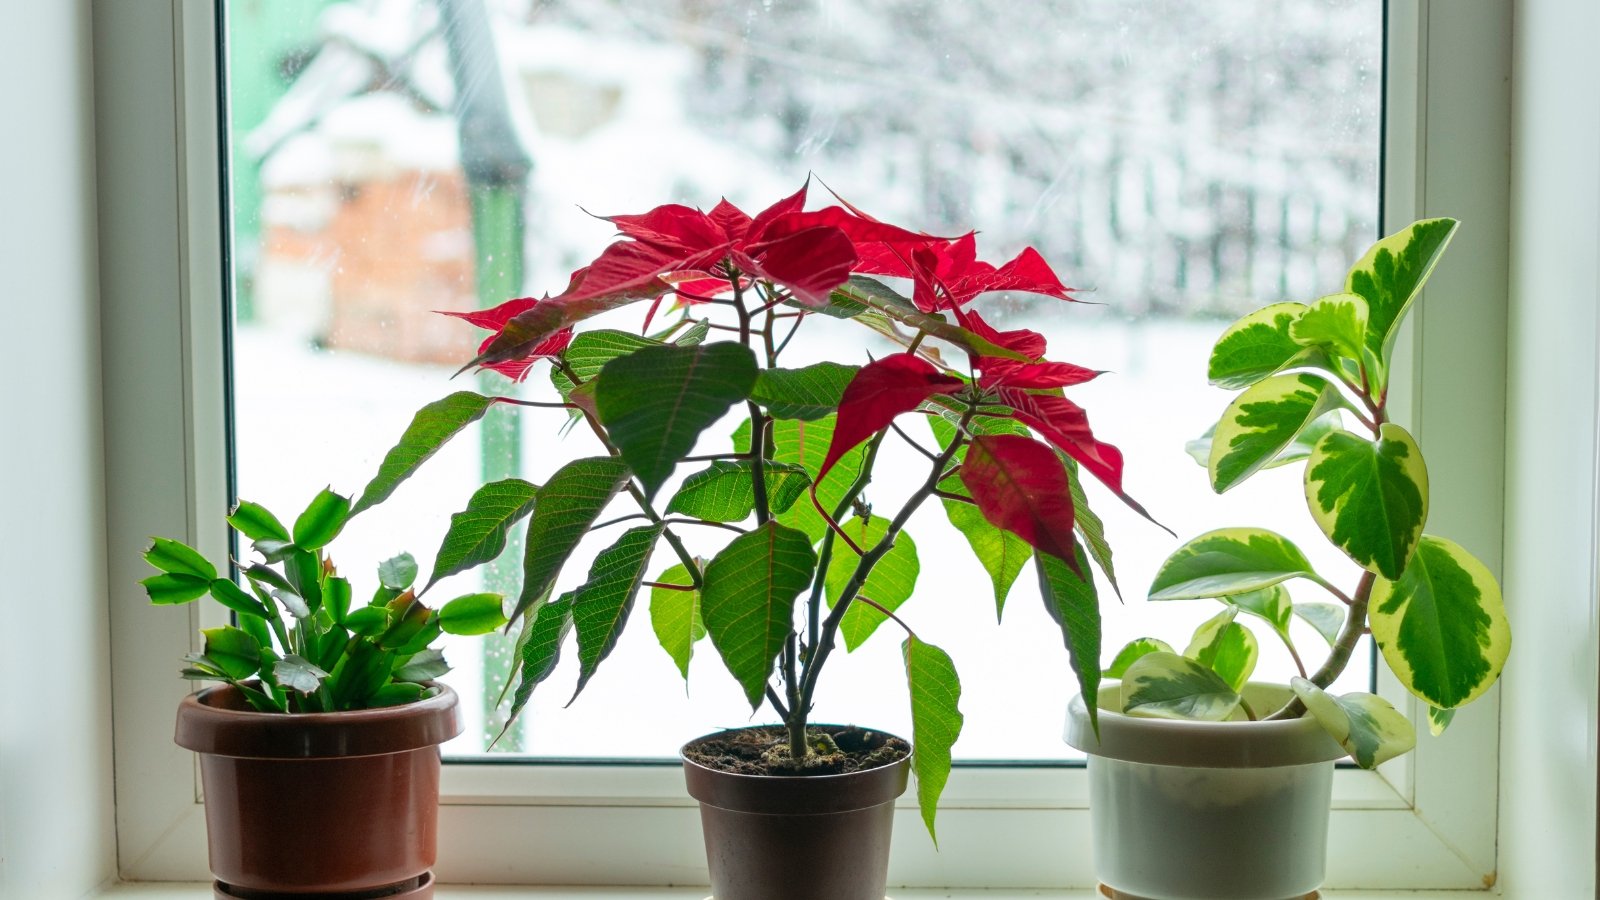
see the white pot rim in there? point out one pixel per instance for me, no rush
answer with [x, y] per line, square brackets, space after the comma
[1218, 745]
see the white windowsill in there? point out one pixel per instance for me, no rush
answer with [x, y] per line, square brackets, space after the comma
[169, 891]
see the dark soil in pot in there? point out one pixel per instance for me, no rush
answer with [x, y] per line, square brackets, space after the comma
[823, 834]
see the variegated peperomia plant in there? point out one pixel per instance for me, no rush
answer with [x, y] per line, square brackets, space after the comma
[807, 560]
[1315, 380]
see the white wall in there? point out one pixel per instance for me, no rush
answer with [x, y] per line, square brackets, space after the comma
[1548, 735]
[56, 837]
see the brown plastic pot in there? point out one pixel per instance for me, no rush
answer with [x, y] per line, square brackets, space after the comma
[772, 837]
[326, 804]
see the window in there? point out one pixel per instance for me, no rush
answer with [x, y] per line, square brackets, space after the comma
[1001, 826]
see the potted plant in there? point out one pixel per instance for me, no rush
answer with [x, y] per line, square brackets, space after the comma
[319, 751]
[1204, 785]
[795, 809]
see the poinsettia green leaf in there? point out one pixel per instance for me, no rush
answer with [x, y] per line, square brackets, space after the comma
[805, 443]
[1442, 625]
[880, 298]
[1088, 523]
[1259, 344]
[590, 351]
[473, 614]
[1337, 322]
[1226, 648]
[540, 653]
[936, 721]
[675, 616]
[255, 522]
[1300, 448]
[655, 401]
[1365, 725]
[1370, 498]
[1132, 651]
[431, 428]
[1168, 686]
[1229, 561]
[178, 559]
[323, 519]
[1271, 604]
[889, 584]
[1001, 553]
[568, 504]
[1326, 618]
[478, 533]
[725, 491]
[1073, 604]
[600, 607]
[1263, 421]
[233, 651]
[1389, 277]
[747, 600]
[806, 393]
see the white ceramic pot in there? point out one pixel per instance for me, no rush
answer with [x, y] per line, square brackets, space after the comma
[1185, 810]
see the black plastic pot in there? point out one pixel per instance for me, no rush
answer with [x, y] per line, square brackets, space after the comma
[774, 837]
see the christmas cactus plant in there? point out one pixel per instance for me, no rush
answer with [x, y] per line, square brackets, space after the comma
[1315, 382]
[807, 560]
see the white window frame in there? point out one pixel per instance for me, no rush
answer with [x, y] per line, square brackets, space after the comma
[1426, 821]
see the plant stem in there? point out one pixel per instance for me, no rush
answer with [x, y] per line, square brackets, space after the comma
[1355, 625]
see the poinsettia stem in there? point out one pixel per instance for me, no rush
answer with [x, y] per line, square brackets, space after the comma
[863, 598]
[912, 441]
[825, 557]
[777, 703]
[793, 330]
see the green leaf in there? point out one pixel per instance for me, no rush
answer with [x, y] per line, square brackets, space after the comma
[725, 492]
[234, 597]
[1001, 553]
[1271, 604]
[1071, 600]
[432, 427]
[304, 573]
[275, 551]
[748, 600]
[424, 666]
[1370, 498]
[675, 616]
[1366, 726]
[601, 606]
[257, 626]
[808, 393]
[1337, 322]
[398, 694]
[568, 504]
[336, 599]
[1299, 448]
[877, 296]
[1389, 276]
[408, 617]
[233, 651]
[364, 670]
[655, 401]
[889, 584]
[590, 351]
[298, 674]
[540, 653]
[1168, 686]
[805, 444]
[423, 638]
[1226, 648]
[478, 533]
[1326, 618]
[322, 520]
[369, 621]
[1442, 626]
[1088, 523]
[473, 614]
[398, 572]
[254, 522]
[1229, 561]
[1439, 719]
[168, 589]
[1135, 649]
[1257, 345]
[1262, 422]
[935, 721]
[178, 559]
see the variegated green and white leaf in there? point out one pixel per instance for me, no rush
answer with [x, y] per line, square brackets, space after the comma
[1132, 652]
[1442, 626]
[1168, 686]
[1199, 449]
[1326, 618]
[1370, 498]
[1229, 561]
[1365, 725]
[1389, 276]
[1257, 345]
[1262, 422]
[1226, 648]
[1439, 720]
[1271, 604]
[1337, 322]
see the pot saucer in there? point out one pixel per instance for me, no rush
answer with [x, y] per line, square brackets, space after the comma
[1114, 894]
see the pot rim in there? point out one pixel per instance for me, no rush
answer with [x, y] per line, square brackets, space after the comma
[1216, 745]
[218, 721]
[807, 779]
[795, 794]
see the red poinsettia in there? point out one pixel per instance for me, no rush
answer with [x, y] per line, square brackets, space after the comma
[495, 320]
[947, 275]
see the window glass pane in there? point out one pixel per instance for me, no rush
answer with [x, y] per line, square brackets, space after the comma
[1182, 163]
